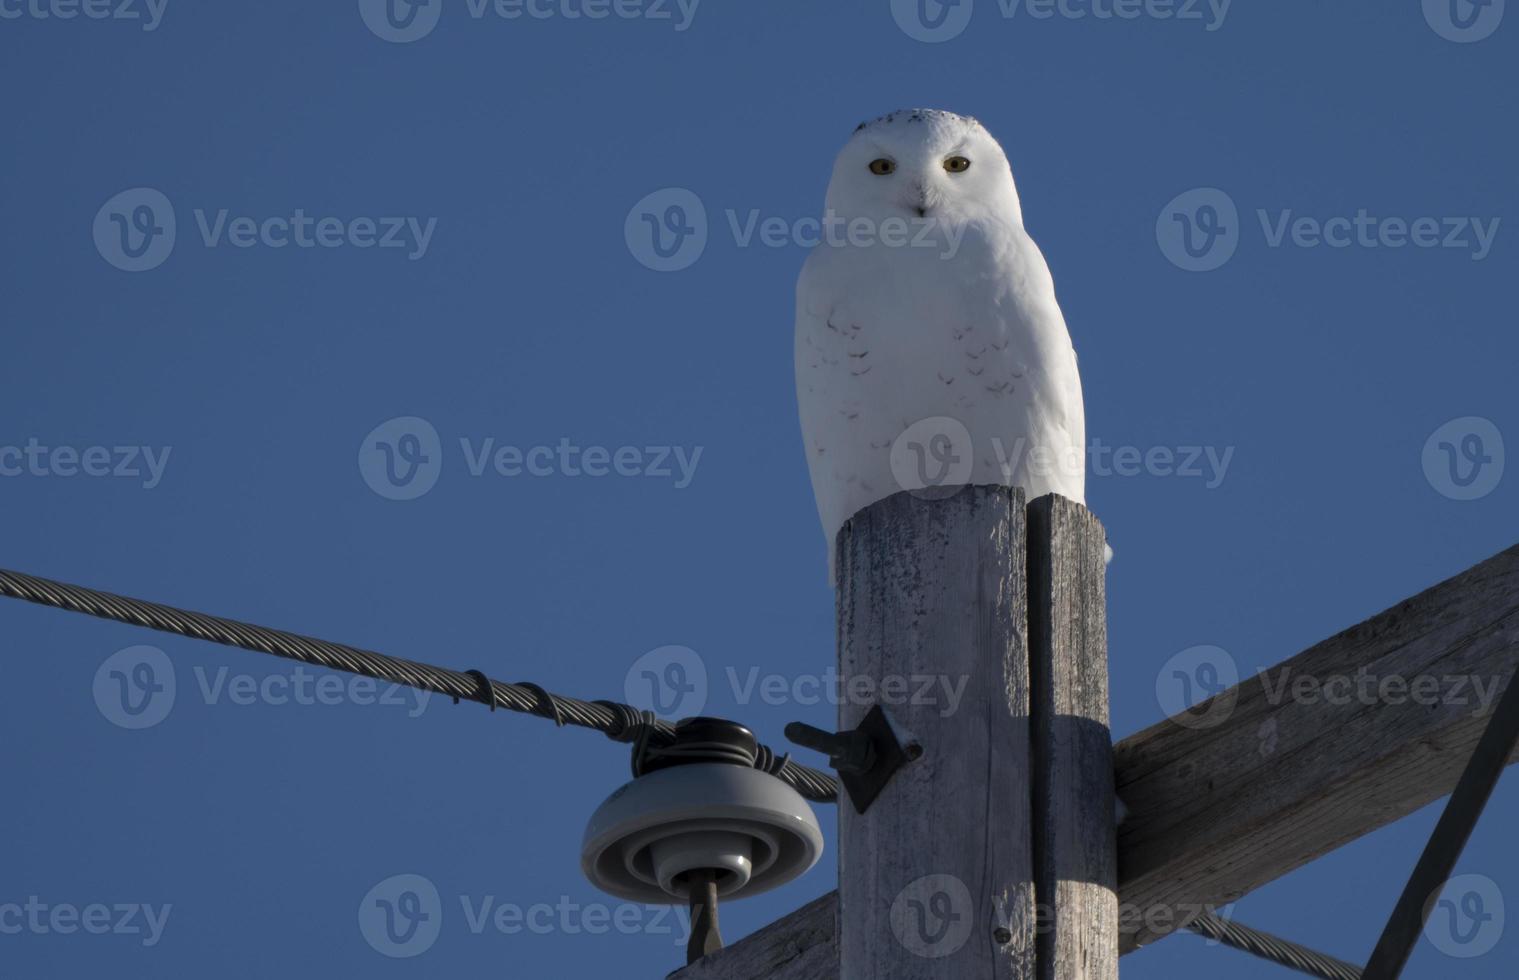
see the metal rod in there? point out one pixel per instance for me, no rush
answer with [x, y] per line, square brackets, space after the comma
[847, 751]
[704, 935]
[1437, 862]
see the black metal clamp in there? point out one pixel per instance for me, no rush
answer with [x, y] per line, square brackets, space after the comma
[865, 757]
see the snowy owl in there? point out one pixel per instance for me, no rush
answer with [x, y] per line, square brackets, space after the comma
[930, 351]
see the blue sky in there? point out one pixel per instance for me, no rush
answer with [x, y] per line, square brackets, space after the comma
[460, 211]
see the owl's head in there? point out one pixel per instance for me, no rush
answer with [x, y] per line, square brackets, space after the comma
[923, 163]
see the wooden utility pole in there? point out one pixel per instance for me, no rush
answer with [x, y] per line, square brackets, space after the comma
[1075, 846]
[1214, 812]
[936, 878]
[977, 623]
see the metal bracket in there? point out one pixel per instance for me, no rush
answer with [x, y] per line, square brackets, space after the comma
[1488, 760]
[865, 757]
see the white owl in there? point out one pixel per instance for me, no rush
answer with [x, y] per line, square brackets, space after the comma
[937, 356]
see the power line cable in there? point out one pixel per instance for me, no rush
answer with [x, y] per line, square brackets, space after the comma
[619, 722]
[1280, 951]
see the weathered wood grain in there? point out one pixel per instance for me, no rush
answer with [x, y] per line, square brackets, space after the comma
[936, 877]
[1075, 844]
[1286, 774]
[1218, 812]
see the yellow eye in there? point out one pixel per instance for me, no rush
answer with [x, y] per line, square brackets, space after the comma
[956, 165]
[882, 167]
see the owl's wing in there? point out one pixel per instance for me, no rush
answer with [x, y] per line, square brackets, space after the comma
[1057, 409]
[822, 357]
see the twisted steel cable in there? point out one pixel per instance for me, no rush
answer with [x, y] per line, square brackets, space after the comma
[1268, 947]
[619, 722]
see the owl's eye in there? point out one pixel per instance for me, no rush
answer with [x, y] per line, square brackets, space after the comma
[956, 165]
[882, 167]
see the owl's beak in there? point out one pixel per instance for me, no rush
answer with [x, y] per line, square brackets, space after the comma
[918, 204]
